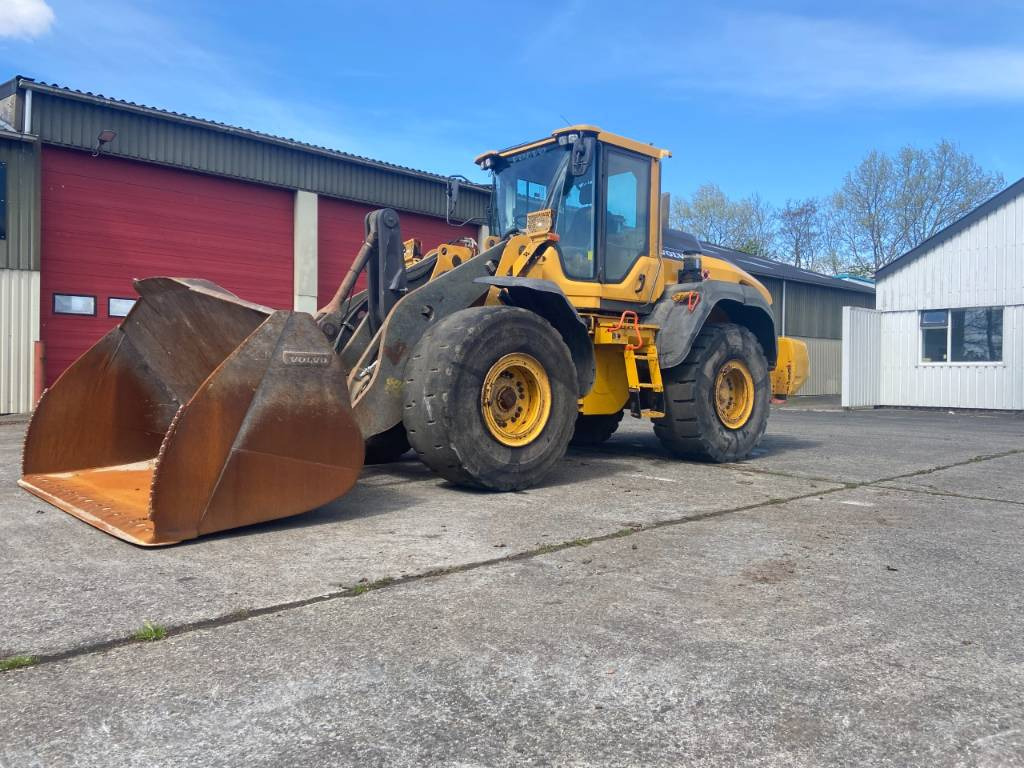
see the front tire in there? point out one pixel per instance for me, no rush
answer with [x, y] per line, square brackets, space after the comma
[717, 399]
[595, 429]
[388, 446]
[490, 398]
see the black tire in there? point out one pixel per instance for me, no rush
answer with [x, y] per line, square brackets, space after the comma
[388, 446]
[595, 429]
[691, 427]
[443, 385]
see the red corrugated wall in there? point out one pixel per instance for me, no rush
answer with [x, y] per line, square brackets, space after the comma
[107, 220]
[340, 233]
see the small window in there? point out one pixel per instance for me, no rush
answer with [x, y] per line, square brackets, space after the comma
[73, 304]
[934, 336]
[972, 335]
[627, 188]
[118, 307]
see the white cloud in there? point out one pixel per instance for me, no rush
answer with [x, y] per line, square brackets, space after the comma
[786, 58]
[803, 59]
[26, 19]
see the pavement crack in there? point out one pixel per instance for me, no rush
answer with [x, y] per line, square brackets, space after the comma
[862, 483]
[952, 495]
[387, 582]
[103, 646]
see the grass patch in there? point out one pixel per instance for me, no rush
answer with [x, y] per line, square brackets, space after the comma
[547, 548]
[366, 586]
[16, 662]
[150, 632]
[623, 532]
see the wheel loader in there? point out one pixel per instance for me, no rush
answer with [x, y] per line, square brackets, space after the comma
[203, 412]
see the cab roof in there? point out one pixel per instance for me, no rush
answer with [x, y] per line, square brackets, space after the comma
[609, 138]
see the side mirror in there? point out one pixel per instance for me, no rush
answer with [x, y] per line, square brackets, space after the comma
[582, 155]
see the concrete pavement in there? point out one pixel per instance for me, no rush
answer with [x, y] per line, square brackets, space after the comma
[852, 595]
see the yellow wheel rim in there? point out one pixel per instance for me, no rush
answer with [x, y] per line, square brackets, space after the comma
[734, 394]
[516, 400]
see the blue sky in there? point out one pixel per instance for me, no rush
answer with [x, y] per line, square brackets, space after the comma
[780, 99]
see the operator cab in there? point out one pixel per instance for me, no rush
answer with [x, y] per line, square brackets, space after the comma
[604, 191]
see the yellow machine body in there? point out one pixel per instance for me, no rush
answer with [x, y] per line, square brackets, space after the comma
[202, 412]
[527, 255]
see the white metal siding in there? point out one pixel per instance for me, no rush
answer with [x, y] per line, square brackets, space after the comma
[19, 328]
[861, 357]
[983, 266]
[905, 380]
[824, 356]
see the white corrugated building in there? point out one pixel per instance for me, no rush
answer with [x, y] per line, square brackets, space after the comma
[948, 328]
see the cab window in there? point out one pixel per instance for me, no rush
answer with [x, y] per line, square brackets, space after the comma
[575, 227]
[627, 208]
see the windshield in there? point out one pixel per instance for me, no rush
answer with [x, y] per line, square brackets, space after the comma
[524, 185]
[538, 179]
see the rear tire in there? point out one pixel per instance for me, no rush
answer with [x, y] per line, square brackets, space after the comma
[695, 423]
[595, 429]
[388, 446]
[461, 369]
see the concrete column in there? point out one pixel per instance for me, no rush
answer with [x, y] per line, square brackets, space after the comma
[19, 330]
[484, 233]
[305, 251]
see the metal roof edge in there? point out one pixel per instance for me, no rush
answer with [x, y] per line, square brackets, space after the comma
[785, 271]
[17, 136]
[950, 230]
[179, 117]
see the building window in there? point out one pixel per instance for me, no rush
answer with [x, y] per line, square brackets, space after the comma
[73, 304]
[972, 335]
[118, 307]
[3, 201]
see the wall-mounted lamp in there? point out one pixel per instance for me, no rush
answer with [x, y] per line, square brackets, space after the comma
[104, 137]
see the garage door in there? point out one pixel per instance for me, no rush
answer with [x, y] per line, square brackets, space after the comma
[106, 221]
[340, 233]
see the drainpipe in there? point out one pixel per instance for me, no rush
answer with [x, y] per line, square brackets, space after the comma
[27, 123]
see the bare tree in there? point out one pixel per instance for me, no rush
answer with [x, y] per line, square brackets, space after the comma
[799, 233]
[888, 205]
[883, 208]
[746, 225]
[707, 214]
[937, 187]
[755, 230]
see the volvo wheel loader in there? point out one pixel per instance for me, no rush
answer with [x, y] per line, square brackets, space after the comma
[203, 412]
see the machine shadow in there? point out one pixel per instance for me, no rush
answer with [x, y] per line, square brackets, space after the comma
[379, 490]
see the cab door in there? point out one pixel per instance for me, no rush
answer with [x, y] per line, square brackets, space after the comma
[630, 265]
[609, 247]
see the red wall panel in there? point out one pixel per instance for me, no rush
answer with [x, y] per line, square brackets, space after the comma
[106, 221]
[340, 233]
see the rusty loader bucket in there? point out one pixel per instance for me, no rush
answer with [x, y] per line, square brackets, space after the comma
[199, 413]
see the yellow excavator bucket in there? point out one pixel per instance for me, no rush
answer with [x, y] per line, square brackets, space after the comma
[200, 412]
